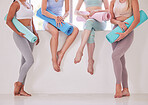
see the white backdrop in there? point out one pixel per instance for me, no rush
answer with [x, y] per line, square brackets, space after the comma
[73, 78]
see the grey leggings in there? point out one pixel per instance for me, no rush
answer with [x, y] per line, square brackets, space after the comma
[27, 60]
[119, 49]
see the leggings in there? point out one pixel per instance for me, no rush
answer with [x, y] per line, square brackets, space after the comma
[26, 49]
[93, 25]
[119, 49]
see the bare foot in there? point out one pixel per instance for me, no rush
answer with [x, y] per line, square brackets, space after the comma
[78, 57]
[60, 57]
[17, 88]
[118, 93]
[23, 93]
[55, 66]
[125, 92]
[90, 68]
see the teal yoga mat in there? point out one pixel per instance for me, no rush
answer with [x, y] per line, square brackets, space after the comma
[21, 28]
[66, 28]
[112, 36]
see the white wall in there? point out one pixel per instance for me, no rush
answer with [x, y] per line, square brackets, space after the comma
[73, 78]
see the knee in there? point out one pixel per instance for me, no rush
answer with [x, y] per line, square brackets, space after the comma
[115, 56]
[89, 23]
[76, 30]
[55, 34]
[30, 61]
[91, 39]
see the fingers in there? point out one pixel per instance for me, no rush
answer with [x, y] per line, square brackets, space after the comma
[61, 24]
[121, 27]
[118, 39]
[126, 22]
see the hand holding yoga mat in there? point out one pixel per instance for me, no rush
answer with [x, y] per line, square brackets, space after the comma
[66, 28]
[21, 28]
[112, 36]
[100, 16]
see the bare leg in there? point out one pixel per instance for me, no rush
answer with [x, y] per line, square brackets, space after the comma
[67, 44]
[79, 54]
[53, 45]
[90, 47]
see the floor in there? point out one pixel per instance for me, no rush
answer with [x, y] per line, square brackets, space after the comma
[74, 99]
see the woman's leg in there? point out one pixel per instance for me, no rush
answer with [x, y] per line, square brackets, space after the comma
[97, 26]
[90, 49]
[118, 52]
[67, 44]
[85, 35]
[22, 91]
[26, 51]
[53, 44]
[125, 91]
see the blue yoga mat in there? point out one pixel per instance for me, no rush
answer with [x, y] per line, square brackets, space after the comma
[112, 36]
[21, 28]
[66, 28]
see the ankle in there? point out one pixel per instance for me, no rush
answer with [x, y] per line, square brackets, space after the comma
[54, 60]
[118, 87]
[125, 89]
[91, 60]
[61, 52]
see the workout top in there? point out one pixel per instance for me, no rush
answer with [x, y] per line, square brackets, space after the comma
[122, 9]
[92, 3]
[24, 12]
[55, 7]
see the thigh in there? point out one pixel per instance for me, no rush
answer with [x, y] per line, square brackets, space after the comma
[114, 45]
[99, 26]
[51, 29]
[23, 45]
[123, 45]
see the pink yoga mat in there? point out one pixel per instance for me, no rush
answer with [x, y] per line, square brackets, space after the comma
[100, 16]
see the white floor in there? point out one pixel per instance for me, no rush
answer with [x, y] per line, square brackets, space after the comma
[74, 99]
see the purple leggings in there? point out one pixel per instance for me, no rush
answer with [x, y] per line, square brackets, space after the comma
[119, 49]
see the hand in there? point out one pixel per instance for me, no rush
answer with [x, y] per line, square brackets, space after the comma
[121, 36]
[38, 40]
[92, 13]
[85, 16]
[61, 18]
[59, 21]
[21, 34]
[123, 26]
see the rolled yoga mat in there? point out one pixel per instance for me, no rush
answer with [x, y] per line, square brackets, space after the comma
[66, 28]
[112, 36]
[100, 16]
[21, 28]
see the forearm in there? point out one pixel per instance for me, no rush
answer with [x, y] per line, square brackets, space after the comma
[47, 14]
[11, 25]
[33, 27]
[133, 25]
[34, 30]
[114, 21]
[66, 14]
[77, 12]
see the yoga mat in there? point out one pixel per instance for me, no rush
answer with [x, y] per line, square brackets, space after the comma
[66, 28]
[112, 36]
[100, 16]
[21, 28]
